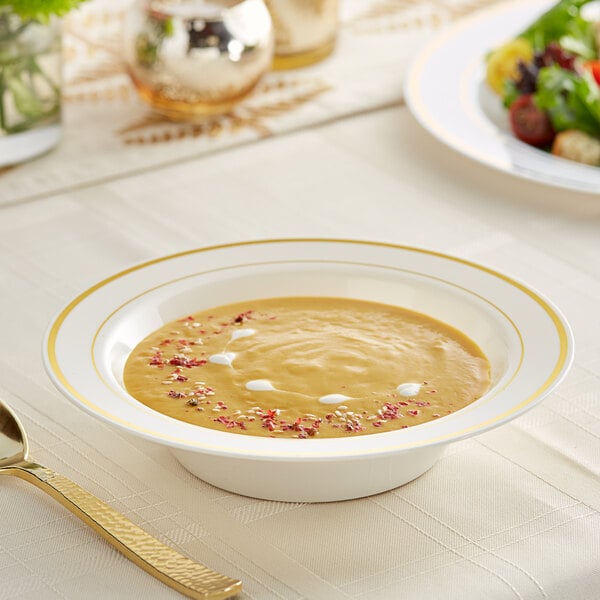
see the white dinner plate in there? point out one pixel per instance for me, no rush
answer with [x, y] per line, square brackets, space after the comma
[446, 91]
[525, 338]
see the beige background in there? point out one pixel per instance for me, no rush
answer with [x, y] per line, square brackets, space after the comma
[513, 513]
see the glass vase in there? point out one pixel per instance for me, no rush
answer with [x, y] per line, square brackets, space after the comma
[30, 79]
[190, 59]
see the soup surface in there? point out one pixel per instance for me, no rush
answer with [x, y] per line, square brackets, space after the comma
[307, 367]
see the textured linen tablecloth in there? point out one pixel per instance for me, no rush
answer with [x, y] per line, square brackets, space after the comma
[510, 514]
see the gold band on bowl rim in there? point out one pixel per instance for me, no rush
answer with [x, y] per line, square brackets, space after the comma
[561, 367]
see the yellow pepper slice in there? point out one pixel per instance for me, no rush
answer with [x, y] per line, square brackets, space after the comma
[502, 63]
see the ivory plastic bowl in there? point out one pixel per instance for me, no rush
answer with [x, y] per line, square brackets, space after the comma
[525, 338]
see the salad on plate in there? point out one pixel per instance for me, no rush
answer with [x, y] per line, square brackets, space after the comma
[548, 77]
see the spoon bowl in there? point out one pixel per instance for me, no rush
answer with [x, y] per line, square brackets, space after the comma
[164, 563]
[13, 441]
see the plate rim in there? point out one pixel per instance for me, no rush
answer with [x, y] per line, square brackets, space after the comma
[561, 368]
[414, 100]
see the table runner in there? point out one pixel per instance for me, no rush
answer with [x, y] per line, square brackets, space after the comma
[109, 132]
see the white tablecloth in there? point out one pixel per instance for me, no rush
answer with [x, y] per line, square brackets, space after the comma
[513, 513]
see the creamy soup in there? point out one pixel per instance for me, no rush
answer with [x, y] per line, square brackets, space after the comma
[307, 368]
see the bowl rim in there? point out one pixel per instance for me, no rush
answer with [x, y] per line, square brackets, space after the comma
[562, 366]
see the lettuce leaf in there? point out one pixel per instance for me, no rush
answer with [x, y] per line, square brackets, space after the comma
[571, 100]
[564, 24]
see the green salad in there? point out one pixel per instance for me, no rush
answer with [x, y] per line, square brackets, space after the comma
[548, 77]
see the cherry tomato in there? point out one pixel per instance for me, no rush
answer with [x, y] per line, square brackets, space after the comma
[554, 54]
[530, 123]
[594, 67]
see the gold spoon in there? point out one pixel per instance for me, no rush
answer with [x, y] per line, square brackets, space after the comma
[164, 563]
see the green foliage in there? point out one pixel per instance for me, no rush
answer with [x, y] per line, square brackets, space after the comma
[40, 10]
[563, 24]
[571, 100]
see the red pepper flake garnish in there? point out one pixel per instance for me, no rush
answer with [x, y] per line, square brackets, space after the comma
[157, 360]
[353, 426]
[181, 378]
[205, 391]
[242, 317]
[403, 403]
[390, 411]
[166, 342]
[303, 431]
[268, 419]
[185, 361]
[174, 394]
[188, 318]
[413, 413]
[377, 423]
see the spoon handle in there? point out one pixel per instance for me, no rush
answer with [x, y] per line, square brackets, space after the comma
[164, 563]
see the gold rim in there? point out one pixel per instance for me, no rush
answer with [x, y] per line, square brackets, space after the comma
[561, 366]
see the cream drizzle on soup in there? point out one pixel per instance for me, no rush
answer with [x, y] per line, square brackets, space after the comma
[307, 367]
